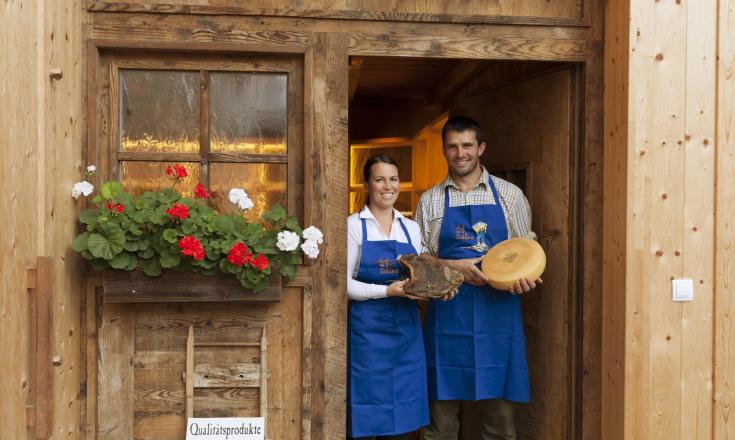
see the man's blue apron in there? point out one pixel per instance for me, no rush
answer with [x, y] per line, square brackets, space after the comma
[387, 364]
[475, 345]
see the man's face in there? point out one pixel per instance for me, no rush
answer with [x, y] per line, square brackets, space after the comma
[462, 152]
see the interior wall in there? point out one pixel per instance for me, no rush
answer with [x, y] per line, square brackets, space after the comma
[667, 216]
[372, 118]
[41, 159]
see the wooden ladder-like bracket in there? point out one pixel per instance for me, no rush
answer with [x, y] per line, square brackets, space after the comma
[39, 410]
[250, 375]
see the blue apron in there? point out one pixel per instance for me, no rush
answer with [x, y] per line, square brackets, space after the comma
[386, 391]
[475, 345]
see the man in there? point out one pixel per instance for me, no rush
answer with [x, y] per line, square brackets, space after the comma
[475, 346]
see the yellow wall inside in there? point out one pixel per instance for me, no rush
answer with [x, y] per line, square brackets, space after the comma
[40, 153]
[669, 203]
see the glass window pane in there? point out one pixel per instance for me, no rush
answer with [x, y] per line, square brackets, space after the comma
[265, 183]
[402, 156]
[248, 112]
[139, 177]
[159, 110]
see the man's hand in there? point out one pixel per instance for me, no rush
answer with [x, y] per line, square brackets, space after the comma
[472, 275]
[525, 285]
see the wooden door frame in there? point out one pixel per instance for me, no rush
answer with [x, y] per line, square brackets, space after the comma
[326, 45]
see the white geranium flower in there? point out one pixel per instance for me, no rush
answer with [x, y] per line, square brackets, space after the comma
[310, 248]
[91, 169]
[81, 188]
[313, 233]
[239, 197]
[288, 241]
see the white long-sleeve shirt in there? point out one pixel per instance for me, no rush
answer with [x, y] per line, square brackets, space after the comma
[360, 291]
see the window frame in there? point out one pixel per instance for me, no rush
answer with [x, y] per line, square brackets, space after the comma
[293, 158]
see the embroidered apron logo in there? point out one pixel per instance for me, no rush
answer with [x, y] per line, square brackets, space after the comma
[480, 229]
[387, 266]
[461, 234]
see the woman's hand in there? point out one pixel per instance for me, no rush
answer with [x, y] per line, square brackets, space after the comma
[396, 289]
[525, 285]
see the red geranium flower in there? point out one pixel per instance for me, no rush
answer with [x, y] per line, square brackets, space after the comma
[178, 171]
[239, 254]
[119, 208]
[260, 262]
[192, 247]
[178, 211]
[200, 192]
[110, 206]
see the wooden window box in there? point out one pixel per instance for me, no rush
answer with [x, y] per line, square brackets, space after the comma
[122, 286]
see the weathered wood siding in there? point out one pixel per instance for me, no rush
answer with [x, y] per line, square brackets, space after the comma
[41, 157]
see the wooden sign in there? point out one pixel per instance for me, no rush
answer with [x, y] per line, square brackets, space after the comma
[229, 428]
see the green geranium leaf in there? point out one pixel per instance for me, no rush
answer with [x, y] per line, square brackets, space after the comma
[124, 198]
[110, 190]
[88, 255]
[278, 213]
[89, 216]
[120, 261]
[169, 259]
[207, 263]
[293, 225]
[188, 226]
[288, 270]
[99, 264]
[108, 245]
[131, 246]
[147, 253]
[170, 236]
[152, 268]
[80, 242]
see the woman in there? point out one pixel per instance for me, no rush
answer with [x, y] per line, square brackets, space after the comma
[387, 395]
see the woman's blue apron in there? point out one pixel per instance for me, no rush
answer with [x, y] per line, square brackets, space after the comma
[475, 345]
[387, 364]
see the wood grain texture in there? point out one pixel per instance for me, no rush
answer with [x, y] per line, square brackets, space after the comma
[114, 373]
[615, 239]
[326, 118]
[136, 287]
[698, 232]
[591, 199]
[568, 12]
[724, 330]
[43, 321]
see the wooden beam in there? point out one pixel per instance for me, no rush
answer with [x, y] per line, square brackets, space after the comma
[327, 13]
[44, 412]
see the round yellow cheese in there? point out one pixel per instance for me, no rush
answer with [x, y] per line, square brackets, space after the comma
[510, 260]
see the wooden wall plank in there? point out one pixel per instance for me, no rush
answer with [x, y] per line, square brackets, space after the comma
[19, 239]
[115, 380]
[614, 213]
[724, 334]
[657, 109]
[698, 225]
[326, 121]
[591, 208]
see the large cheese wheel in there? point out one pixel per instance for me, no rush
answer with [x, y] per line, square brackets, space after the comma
[510, 260]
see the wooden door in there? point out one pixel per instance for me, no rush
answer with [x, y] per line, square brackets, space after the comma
[529, 126]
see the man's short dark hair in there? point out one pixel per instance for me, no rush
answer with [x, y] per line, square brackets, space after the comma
[460, 124]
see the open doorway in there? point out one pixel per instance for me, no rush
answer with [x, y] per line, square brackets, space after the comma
[530, 112]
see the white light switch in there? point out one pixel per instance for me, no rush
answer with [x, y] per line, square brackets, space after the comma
[682, 290]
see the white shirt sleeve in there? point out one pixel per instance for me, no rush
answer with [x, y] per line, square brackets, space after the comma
[356, 290]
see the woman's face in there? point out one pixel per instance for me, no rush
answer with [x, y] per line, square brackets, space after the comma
[383, 185]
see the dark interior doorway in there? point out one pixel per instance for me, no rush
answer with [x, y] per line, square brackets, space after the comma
[531, 114]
